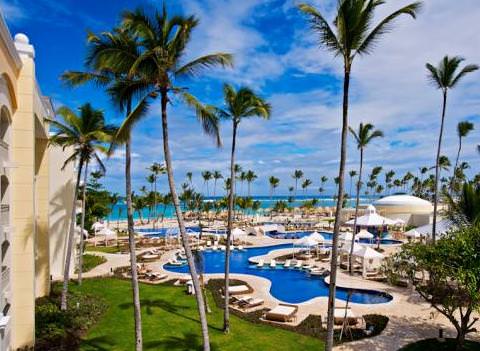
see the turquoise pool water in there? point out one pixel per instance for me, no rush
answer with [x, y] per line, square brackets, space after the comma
[288, 284]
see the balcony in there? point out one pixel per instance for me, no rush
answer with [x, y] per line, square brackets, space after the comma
[5, 280]
[4, 214]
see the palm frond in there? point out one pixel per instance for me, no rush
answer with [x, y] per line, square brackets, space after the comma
[467, 69]
[194, 67]
[320, 25]
[385, 26]
[75, 78]
[206, 116]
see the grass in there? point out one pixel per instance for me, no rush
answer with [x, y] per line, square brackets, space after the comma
[170, 322]
[104, 249]
[92, 261]
[434, 344]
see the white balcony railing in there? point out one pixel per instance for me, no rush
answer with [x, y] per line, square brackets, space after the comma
[5, 280]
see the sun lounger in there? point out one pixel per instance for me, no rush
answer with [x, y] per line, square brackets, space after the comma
[299, 264]
[209, 243]
[260, 264]
[215, 248]
[339, 316]
[150, 257]
[238, 290]
[317, 271]
[250, 303]
[156, 276]
[241, 248]
[287, 264]
[183, 280]
[273, 263]
[174, 262]
[307, 266]
[282, 313]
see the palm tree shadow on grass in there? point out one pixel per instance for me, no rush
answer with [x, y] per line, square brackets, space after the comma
[100, 343]
[188, 341]
[167, 306]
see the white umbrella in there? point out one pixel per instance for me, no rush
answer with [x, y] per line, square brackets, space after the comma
[317, 237]
[346, 236]
[413, 233]
[367, 253]
[364, 234]
[98, 226]
[306, 241]
[371, 219]
[107, 232]
[399, 221]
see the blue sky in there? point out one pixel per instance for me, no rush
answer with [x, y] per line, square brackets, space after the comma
[277, 56]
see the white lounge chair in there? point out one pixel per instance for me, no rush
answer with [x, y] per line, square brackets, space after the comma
[238, 290]
[282, 313]
[241, 248]
[287, 264]
[299, 264]
[273, 263]
[260, 264]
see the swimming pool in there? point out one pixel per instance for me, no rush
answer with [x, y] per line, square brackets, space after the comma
[288, 284]
[158, 232]
[328, 236]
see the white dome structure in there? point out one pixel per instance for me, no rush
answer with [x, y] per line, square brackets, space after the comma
[411, 209]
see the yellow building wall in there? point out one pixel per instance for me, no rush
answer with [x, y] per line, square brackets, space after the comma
[23, 246]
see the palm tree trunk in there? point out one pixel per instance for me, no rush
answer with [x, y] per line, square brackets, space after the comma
[155, 203]
[231, 201]
[82, 225]
[454, 176]
[437, 168]
[71, 237]
[336, 229]
[137, 312]
[357, 201]
[181, 225]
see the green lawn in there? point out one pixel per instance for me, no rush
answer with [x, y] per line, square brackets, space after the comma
[104, 249]
[91, 261]
[170, 322]
[435, 345]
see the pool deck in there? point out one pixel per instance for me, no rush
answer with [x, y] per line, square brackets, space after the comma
[411, 318]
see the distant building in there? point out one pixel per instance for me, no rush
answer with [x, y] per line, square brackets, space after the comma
[36, 197]
[412, 210]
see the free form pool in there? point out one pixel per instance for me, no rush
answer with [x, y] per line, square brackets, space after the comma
[288, 284]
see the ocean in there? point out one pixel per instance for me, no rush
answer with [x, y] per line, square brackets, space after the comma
[119, 211]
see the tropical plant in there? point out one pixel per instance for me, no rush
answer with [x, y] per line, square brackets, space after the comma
[216, 176]
[366, 133]
[207, 176]
[445, 77]
[250, 177]
[463, 129]
[156, 169]
[297, 175]
[160, 63]
[353, 34]
[352, 175]
[305, 184]
[240, 104]
[86, 134]
[274, 182]
[466, 209]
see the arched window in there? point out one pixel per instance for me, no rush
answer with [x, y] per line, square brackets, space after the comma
[5, 126]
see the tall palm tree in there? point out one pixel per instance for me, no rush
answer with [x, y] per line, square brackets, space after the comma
[242, 177]
[156, 169]
[160, 63]
[216, 176]
[445, 76]
[366, 133]
[463, 129]
[189, 176]
[297, 175]
[250, 177]
[109, 60]
[352, 175]
[240, 104]
[353, 34]
[207, 176]
[150, 180]
[305, 184]
[388, 179]
[87, 134]
[273, 181]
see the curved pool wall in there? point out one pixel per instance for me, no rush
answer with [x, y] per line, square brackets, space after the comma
[288, 284]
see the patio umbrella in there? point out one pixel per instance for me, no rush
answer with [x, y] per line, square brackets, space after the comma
[98, 226]
[317, 237]
[364, 234]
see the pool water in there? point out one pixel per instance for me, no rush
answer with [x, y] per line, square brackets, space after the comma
[158, 232]
[288, 284]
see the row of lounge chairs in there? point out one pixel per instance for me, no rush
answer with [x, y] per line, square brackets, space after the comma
[298, 264]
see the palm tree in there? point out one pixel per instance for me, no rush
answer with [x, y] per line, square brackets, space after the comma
[163, 47]
[139, 203]
[297, 175]
[110, 58]
[250, 177]
[156, 169]
[463, 129]
[87, 134]
[207, 176]
[352, 175]
[306, 183]
[274, 181]
[189, 176]
[242, 177]
[366, 133]
[445, 77]
[353, 34]
[150, 180]
[216, 176]
[388, 179]
[239, 104]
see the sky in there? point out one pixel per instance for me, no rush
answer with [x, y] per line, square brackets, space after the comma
[279, 57]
